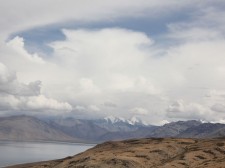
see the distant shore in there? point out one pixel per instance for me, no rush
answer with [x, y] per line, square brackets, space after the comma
[49, 141]
[20, 152]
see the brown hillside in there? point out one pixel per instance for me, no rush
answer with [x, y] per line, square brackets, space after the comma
[146, 153]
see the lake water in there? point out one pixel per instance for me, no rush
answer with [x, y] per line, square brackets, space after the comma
[12, 153]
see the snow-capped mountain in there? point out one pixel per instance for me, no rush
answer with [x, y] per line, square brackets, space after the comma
[132, 121]
[115, 124]
[136, 121]
[113, 120]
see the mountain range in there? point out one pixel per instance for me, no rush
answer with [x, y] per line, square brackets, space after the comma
[23, 128]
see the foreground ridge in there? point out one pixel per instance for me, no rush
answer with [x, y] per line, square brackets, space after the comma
[145, 153]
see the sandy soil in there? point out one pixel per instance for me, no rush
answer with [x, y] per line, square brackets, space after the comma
[145, 153]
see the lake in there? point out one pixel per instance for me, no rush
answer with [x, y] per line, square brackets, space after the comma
[12, 153]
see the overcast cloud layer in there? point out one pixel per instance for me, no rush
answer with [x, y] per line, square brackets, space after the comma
[178, 74]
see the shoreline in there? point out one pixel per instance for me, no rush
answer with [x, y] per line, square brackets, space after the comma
[50, 141]
[30, 156]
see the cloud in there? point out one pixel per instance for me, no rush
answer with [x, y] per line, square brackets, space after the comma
[205, 111]
[103, 61]
[218, 108]
[180, 109]
[33, 14]
[80, 108]
[122, 66]
[33, 104]
[42, 103]
[88, 86]
[116, 70]
[139, 111]
[94, 108]
[206, 23]
[110, 104]
[215, 94]
[17, 44]
[10, 85]
[16, 96]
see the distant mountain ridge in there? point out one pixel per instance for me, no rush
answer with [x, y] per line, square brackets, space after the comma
[78, 128]
[204, 130]
[22, 128]
[174, 129]
[26, 128]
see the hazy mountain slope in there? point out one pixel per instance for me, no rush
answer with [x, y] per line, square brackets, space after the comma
[146, 153]
[205, 130]
[141, 132]
[82, 129]
[29, 128]
[173, 129]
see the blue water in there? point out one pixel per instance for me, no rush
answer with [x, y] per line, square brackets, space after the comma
[12, 153]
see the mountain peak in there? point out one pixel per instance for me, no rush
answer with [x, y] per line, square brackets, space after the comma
[113, 119]
[132, 121]
[136, 121]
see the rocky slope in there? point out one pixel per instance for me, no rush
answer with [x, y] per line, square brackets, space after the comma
[146, 153]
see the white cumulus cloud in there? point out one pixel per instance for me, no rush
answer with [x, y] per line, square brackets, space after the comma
[116, 71]
[17, 96]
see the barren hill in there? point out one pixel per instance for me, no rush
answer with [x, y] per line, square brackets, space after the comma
[146, 153]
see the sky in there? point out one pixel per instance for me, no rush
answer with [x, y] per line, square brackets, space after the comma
[160, 61]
